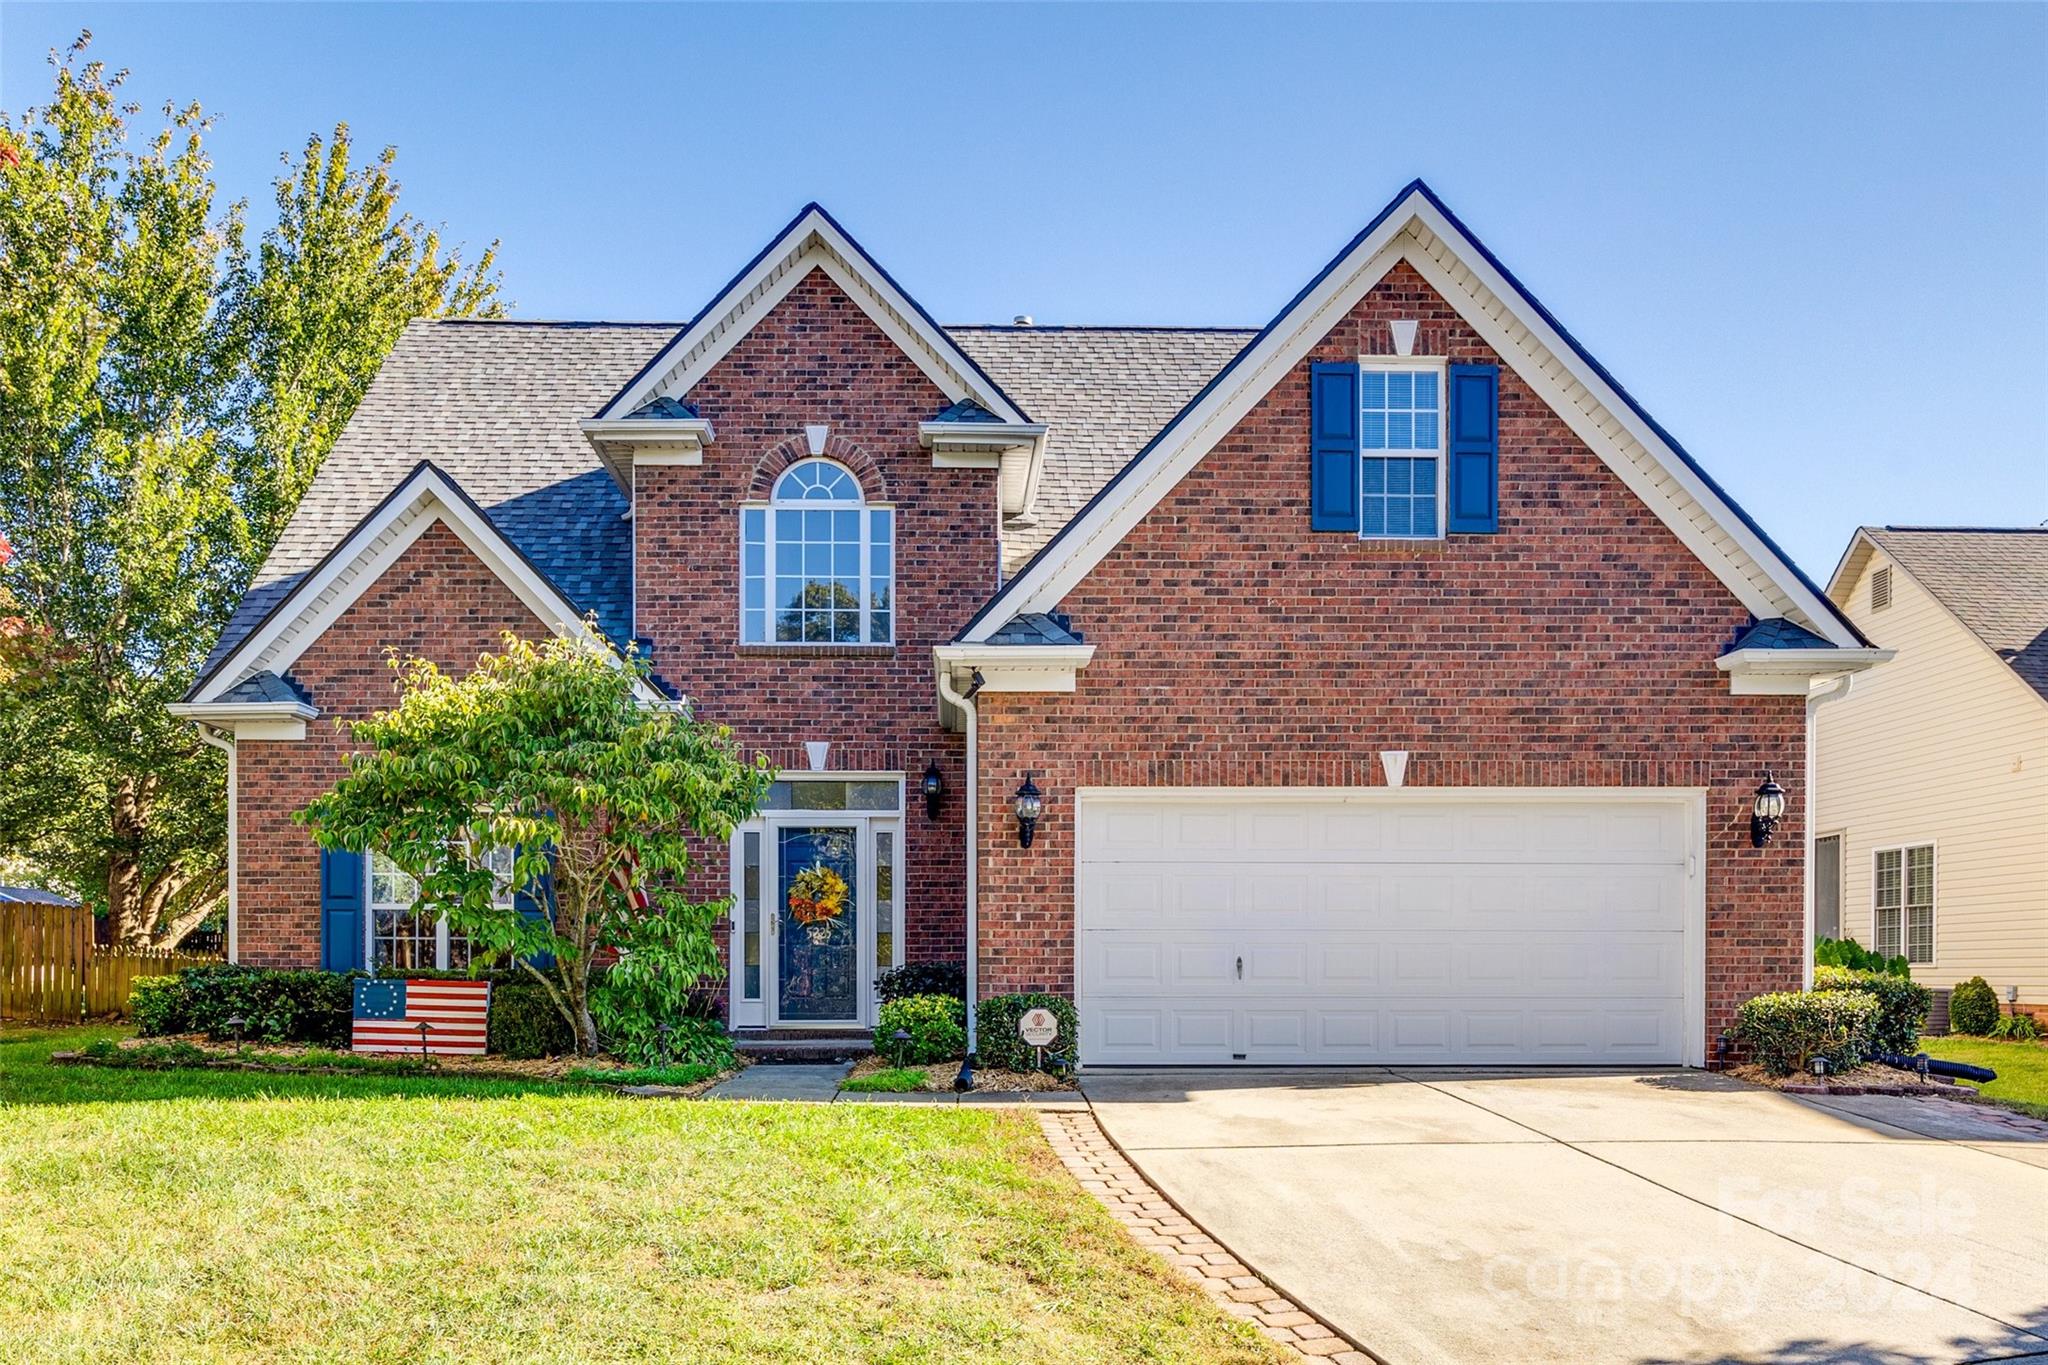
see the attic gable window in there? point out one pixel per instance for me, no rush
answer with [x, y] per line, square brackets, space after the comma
[1401, 440]
[817, 564]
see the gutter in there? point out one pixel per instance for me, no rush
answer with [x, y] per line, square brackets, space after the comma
[227, 746]
[965, 701]
[1814, 701]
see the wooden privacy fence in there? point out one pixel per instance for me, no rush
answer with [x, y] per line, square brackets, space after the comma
[50, 972]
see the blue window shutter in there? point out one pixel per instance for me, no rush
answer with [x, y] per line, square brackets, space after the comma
[341, 910]
[1333, 447]
[1474, 450]
[538, 902]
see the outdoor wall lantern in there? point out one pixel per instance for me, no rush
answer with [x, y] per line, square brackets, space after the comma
[933, 786]
[1029, 803]
[1766, 811]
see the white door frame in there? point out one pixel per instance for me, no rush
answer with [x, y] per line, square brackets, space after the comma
[1693, 800]
[764, 1012]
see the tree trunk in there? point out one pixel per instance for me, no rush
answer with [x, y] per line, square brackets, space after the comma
[129, 818]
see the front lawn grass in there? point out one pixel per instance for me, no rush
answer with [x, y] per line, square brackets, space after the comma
[890, 1080]
[2022, 1068]
[202, 1215]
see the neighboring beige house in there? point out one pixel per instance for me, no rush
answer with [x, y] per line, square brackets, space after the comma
[1931, 822]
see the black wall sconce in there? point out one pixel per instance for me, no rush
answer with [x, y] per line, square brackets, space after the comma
[1766, 811]
[1029, 803]
[933, 786]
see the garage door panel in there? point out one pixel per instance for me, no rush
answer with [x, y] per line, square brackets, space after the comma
[1325, 930]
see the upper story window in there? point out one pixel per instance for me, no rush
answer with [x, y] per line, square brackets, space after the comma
[1401, 440]
[817, 564]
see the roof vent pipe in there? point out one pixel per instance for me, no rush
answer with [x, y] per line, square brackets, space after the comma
[1021, 320]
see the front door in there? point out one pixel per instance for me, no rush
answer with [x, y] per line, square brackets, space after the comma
[818, 922]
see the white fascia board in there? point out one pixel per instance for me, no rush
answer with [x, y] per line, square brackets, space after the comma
[1792, 672]
[979, 435]
[813, 242]
[1849, 568]
[1197, 430]
[279, 641]
[1016, 668]
[649, 430]
[284, 720]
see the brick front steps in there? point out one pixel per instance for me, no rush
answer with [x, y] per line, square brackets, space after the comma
[1157, 1223]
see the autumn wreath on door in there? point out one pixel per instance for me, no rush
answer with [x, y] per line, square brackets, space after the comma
[817, 898]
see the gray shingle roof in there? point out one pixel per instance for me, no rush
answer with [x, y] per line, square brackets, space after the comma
[966, 410]
[264, 686]
[1036, 628]
[1776, 633]
[1995, 581]
[496, 406]
[32, 895]
[1103, 391]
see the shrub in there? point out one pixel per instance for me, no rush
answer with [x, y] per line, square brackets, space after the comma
[1972, 1007]
[2016, 1028]
[1786, 1030]
[1847, 952]
[998, 1045]
[922, 978]
[937, 1025]
[157, 1005]
[1902, 1005]
[525, 1023]
[274, 1006]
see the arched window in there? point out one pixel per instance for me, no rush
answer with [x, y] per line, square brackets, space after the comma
[817, 564]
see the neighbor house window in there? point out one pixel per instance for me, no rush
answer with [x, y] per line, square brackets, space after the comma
[817, 564]
[1401, 440]
[405, 938]
[1903, 903]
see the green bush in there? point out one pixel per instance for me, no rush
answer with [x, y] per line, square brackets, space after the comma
[274, 1006]
[937, 1025]
[2016, 1028]
[1786, 1030]
[525, 1024]
[1973, 1007]
[157, 1005]
[997, 1043]
[1847, 952]
[922, 978]
[1902, 1005]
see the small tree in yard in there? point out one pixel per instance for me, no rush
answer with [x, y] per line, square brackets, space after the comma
[546, 750]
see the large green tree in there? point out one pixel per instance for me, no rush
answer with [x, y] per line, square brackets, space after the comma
[165, 396]
[545, 750]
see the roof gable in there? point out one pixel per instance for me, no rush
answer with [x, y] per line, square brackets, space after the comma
[1417, 228]
[252, 670]
[1992, 580]
[813, 240]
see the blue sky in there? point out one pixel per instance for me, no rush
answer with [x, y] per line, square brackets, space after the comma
[1812, 240]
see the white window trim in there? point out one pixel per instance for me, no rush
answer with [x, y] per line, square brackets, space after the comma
[1405, 364]
[866, 509]
[1905, 900]
[504, 900]
[1841, 836]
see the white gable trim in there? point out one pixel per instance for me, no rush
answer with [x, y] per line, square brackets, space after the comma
[812, 242]
[1415, 230]
[426, 498]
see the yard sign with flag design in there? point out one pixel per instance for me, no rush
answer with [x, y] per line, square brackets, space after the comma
[389, 1014]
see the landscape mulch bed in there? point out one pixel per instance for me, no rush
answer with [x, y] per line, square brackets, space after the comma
[939, 1076]
[1872, 1078]
[282, 1058]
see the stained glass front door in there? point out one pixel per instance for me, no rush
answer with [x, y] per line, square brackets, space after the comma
[818, 923]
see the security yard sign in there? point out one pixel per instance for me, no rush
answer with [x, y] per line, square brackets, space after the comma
[1038, 1028]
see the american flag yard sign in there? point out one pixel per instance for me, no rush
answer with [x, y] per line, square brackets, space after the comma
[389, 1012]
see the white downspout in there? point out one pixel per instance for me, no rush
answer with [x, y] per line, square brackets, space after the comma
[234, 863]
[965, 701]
[1814, 701]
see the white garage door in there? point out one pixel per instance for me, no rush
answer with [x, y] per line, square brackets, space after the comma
[1232, 926]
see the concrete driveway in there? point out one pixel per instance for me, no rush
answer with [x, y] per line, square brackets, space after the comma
[1606, 1216]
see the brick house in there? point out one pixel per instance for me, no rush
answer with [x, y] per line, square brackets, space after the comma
[1393, 687]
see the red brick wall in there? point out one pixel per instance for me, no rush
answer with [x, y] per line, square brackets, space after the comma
[1574, 648]
[817, 358]
[439, 602]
